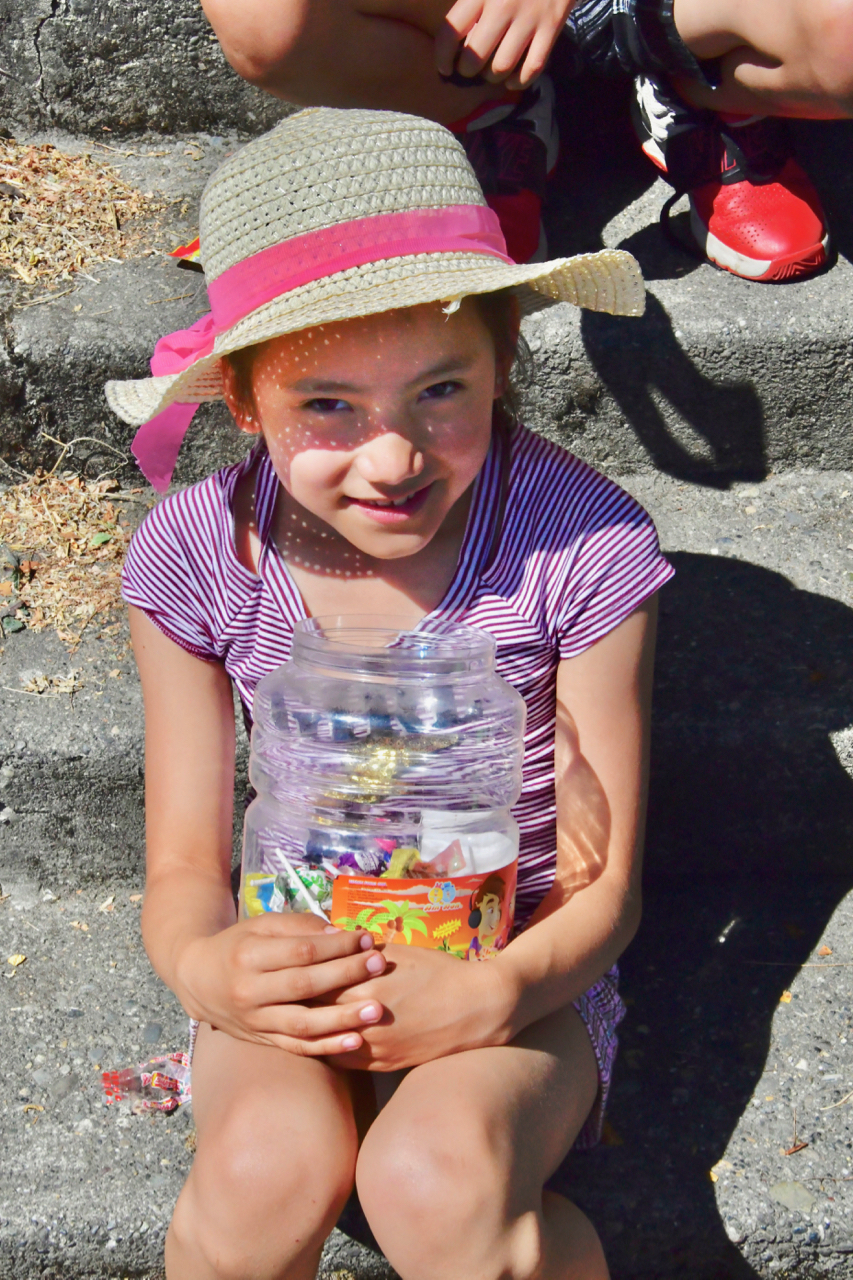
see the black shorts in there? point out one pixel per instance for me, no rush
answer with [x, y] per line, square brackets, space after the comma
[637, 36]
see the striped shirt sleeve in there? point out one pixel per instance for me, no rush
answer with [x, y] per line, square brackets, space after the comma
[613, 565]
[164, 576]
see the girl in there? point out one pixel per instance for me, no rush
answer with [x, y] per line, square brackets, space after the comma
[364, 321]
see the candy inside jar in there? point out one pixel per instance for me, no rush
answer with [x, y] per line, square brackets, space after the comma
[386, 759]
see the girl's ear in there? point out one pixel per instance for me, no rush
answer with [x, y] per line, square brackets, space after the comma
[241, 407]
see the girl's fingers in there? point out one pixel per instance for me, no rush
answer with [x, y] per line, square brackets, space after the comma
[320, 1048]
[457, 23]
[481, 43]
[309, 1026]
[298, 985]
[269, 950]
[537, 55]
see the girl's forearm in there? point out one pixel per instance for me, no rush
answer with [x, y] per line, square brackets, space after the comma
[558, 958]
[182, 905]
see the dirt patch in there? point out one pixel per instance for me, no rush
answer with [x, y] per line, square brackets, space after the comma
[62, 214]
[62, 544]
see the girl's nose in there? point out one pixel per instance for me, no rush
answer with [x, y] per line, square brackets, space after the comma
[390, 459]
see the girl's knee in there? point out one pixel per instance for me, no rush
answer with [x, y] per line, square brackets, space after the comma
[444, 1182]
[261, 1192]
[263, 40]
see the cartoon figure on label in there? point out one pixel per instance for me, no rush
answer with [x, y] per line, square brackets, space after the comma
[441, 894]
[485, 917]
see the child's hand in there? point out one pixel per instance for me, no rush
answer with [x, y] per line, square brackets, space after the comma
[257, 978]
[434, 1005]
[506, 40]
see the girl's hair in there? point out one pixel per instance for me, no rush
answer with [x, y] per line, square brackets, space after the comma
[499, 313]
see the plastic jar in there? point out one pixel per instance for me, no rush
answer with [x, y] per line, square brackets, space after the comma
[386, 760]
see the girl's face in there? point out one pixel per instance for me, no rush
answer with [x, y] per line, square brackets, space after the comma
[377, 426]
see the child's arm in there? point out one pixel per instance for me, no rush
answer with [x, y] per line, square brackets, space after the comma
[439, 1005]
[246, 978]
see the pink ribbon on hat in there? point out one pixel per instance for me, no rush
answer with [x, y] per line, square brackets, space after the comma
[283, 267]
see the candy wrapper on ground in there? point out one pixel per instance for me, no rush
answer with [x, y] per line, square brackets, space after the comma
[161, 1084]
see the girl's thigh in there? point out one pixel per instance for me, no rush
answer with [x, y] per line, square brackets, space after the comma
[476, 1134]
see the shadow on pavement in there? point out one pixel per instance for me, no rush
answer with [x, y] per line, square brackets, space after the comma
[750, 827]
[601, 172]
[642, 362]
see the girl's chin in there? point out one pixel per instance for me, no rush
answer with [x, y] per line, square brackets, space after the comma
[390, 546]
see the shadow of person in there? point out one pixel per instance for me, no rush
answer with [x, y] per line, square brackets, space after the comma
[692, 427]
[748, 855]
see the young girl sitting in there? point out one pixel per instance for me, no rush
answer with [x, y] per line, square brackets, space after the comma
[364, 322]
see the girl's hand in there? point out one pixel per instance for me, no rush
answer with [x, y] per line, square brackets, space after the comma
[505, 40]
[256, 980]
[434, 1005]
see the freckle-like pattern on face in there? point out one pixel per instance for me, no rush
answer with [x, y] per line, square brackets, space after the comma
[367, 434]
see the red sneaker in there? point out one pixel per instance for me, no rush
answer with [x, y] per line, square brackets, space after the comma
[753, 210]
[513, 145]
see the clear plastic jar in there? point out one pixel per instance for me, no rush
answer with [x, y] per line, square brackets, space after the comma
[386, 760]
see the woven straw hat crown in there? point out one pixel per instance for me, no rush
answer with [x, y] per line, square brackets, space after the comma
[324, 167]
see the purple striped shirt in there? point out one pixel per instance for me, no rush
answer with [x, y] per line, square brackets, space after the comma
[575, 555]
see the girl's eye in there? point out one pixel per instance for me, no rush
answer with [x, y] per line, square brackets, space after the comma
[439, 390]
[321, 405]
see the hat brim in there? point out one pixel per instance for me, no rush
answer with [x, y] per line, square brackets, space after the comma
[609, 281]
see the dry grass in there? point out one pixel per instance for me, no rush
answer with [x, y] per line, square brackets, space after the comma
[62, 214]
[62, 541]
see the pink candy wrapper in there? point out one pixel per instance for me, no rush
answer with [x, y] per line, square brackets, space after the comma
[161, 1084]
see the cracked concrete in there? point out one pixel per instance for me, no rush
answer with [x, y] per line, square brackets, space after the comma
[39, 86]
[94, 65]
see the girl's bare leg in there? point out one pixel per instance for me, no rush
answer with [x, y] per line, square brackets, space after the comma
[274, 1165]
[344, 53]
[778, 57]
[451, 1173]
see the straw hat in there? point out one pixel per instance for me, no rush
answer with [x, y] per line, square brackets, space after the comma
[335, 214]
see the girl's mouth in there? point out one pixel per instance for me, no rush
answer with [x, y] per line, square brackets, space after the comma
[392, 510]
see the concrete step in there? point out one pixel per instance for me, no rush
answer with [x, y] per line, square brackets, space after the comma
[721, 379]
[752, 720]
[749, 879]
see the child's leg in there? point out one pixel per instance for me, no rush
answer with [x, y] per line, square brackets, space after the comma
[275, 1163]
[778, 57]
[344, 53]
[450, 1175]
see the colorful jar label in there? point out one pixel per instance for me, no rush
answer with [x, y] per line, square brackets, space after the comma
[468, 916]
